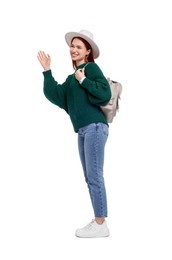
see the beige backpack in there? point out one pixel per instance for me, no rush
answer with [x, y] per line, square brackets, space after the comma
[112, 107]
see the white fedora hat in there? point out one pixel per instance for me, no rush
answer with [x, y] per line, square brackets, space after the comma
[86, 35]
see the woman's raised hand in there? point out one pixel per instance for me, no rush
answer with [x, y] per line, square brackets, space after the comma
[44, 59]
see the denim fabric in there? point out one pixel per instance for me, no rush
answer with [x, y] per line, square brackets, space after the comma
[91, 144]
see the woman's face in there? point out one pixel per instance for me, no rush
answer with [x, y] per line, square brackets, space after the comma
[78, 51]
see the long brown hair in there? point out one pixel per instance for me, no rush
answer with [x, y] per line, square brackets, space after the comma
[90, 57]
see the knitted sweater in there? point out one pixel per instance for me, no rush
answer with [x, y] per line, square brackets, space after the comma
[81, 101]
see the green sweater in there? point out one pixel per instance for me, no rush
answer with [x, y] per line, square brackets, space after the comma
[81, 101]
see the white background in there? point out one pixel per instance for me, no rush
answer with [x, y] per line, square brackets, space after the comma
[43, 196]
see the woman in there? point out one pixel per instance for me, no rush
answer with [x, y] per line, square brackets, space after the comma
[81, 96]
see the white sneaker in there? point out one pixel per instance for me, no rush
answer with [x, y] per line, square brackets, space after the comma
[93, 230]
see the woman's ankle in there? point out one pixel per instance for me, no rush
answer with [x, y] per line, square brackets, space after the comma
[99, 220]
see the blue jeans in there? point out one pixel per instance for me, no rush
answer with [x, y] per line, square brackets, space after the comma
[91, 144]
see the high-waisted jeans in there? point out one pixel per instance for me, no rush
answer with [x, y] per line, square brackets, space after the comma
[91, 144]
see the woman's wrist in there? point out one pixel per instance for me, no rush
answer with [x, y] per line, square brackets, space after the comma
[48, 68]
[81, 80]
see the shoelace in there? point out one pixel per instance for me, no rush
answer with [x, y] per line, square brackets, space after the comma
[89, 225]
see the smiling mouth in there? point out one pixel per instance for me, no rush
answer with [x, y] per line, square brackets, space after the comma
[74, 55]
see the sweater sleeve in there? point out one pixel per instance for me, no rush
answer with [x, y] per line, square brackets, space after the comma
[96, 84]
[54, 92]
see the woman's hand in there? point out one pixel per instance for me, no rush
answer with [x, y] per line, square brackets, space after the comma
[79, 74]
[44, 59]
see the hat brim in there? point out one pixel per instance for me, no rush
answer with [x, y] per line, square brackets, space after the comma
[70, 35]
